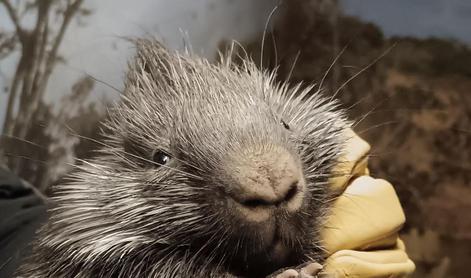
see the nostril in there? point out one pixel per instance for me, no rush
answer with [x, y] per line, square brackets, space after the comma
[260, 202]
[253, 203]
[291, 192]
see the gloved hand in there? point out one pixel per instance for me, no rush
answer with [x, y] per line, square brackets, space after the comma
[361, 234]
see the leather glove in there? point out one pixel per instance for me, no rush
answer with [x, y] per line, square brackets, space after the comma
[361, 234]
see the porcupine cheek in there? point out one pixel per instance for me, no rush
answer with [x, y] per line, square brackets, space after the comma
[266, 183]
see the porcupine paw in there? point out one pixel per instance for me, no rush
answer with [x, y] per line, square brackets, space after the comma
[306, 270]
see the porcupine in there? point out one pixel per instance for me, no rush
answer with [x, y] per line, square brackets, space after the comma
[207, 170]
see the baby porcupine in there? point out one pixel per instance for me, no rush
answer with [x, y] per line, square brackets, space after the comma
[208, 170]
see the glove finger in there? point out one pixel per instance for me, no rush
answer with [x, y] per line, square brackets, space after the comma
[354, 161]
[367, 215]
[380, 263]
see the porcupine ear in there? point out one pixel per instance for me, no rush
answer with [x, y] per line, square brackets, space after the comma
[149, 80]
[162, 72]
[154, 61]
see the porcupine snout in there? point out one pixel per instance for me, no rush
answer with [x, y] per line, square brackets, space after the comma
[266, 181]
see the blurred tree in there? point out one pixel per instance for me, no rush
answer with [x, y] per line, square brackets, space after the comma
[38, 47]
[54, 139]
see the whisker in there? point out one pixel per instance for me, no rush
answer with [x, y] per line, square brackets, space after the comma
[293, 65]
[274, 47]
[42, 163]
[332, 65]
[376, 126]
[363, 70]
[362, 118]
[131, 154]
[104, 83]
[265, 34]
[243, 49]
[23, 140]
[358, 102]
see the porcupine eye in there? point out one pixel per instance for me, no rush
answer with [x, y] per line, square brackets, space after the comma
[161, 158]
[284, 124]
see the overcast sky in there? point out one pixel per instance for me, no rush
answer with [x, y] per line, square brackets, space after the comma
[419, 18]
[98, 50]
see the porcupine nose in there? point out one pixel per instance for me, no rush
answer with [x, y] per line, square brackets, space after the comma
[266, 180]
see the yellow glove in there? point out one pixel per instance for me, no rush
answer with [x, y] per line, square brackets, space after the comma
[361, 235]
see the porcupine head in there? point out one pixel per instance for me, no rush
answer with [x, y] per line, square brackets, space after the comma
[207, 170]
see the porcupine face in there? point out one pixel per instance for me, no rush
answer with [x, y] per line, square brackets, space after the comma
[216, 160]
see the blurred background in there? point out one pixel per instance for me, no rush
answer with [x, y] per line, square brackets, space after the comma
[402, 69]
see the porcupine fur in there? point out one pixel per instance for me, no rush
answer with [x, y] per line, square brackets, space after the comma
[121, 215]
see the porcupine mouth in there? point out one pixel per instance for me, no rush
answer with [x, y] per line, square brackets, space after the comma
[277, 250]
[275, 255]
[270, 247]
